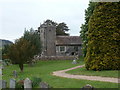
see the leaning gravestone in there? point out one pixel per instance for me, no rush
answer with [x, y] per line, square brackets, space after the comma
[15, 74]
[44, 85]
[27, 83]
[88, 87]
[4, 84]
[12, 83]
[74, 62]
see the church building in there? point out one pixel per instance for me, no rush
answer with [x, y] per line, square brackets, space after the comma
[53, 45]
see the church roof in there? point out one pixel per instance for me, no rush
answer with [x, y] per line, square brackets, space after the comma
[68, 40]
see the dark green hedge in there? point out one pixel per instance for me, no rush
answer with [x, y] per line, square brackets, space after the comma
[103, 52]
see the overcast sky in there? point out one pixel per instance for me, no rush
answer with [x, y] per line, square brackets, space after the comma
[15, 15]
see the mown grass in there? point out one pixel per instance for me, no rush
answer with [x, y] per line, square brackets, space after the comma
[104, 73]
[44, 69]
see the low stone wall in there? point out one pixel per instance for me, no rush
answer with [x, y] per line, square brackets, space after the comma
[56, 58]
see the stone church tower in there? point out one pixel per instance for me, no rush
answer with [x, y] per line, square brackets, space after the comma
[48, 38]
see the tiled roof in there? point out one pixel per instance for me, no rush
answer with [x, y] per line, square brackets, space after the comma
[68, 40]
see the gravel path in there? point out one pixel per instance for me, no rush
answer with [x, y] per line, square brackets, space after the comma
[62, 73]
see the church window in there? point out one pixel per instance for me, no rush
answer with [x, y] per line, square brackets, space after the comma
[76, 48]
[62, 48]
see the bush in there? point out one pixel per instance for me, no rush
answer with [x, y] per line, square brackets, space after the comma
[20, 83]
[35, 81]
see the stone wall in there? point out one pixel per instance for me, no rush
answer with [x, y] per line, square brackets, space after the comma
[57, 58]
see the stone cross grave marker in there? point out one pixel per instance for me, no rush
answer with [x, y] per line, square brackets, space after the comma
[88, 87]
[12, 83]
[27, 83]
[15, 74]
[44, 85]
[4, 84]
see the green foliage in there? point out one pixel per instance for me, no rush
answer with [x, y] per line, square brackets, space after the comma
[104, 37]
[84, 27]
[24, 49]
[35, 81]
[61, 28]
[5, 51]
[20, 83]
[7, 62]
[34, 39]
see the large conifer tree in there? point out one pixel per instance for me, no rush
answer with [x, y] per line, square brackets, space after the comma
[84, 27]
[103, 52]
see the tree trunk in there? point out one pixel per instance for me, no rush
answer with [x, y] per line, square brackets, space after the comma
[21, 67]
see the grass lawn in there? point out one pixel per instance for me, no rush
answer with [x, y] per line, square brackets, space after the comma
[44, 69]
[83, 71]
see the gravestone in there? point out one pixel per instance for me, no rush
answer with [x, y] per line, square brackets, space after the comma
[88, 87]
[1, 66]
[12, 83]
[0, 73]
[27, 83]
[4, 84]
[0, 84]
[15, 74]
[44, 85]
[74, 62]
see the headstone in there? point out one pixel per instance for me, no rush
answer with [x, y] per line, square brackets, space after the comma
[0, 64]
[44, 85]
[74, 62]
[27, 83]
[0, 84]
[15, 74]
[88, 87]
[4, 84]
[0, 73]
[12, 83]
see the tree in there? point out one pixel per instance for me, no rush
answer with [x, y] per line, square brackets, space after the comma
[50, 21]
[19, 52]
[104, 37]
[25, 48]
[4, 51]
[84, 27]
[34, 39]
[61, 28]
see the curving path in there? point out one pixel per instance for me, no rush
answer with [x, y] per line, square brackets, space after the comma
[62, 73]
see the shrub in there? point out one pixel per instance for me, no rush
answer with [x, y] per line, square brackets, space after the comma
[35, 81]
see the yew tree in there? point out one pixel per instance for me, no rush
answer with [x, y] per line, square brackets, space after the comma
[84, 27]
[103, 51]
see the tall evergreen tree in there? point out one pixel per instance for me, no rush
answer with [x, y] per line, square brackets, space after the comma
[84, 27]
[103, 52]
